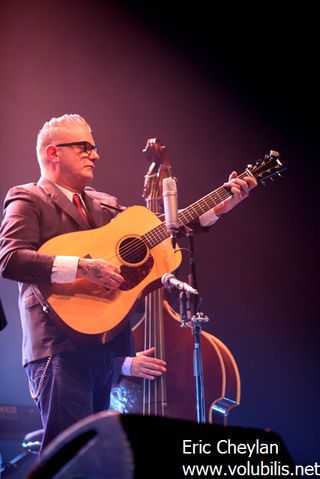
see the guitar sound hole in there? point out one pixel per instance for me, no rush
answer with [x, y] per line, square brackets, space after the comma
[133, 250]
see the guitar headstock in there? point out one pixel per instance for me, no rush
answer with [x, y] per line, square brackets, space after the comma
[267, 168]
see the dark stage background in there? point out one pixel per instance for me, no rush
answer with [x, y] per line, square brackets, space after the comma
[220, 90]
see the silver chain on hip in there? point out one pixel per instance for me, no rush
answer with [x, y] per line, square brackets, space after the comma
[36, 394]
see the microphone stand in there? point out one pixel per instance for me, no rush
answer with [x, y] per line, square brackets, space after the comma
[189, 307]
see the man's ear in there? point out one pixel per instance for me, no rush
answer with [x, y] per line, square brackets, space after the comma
[51, 152]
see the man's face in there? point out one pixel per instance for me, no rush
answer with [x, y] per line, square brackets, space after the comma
[75, 166]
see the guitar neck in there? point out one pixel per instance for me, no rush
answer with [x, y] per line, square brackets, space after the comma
[191, 213]
[205, 204]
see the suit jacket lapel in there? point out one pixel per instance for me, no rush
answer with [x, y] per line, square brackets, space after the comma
[94, 209]
[62, 201]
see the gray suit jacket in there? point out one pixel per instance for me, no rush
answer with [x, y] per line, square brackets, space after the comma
[34, 213]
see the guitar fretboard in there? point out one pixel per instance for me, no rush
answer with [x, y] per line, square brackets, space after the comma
[191, 213]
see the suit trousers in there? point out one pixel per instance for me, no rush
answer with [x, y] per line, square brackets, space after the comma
[75, 385]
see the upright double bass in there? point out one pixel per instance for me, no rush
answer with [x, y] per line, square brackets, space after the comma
[173, 394]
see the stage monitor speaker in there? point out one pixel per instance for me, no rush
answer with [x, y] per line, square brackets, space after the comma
[95, 447]
[110, 445]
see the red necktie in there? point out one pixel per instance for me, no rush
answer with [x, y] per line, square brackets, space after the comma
[76, 201]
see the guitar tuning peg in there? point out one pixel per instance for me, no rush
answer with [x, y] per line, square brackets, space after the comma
[274, 153]
[263, 182]
[279, 174]
[271, 178]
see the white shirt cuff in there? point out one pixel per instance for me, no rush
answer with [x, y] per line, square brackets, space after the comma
[126, 366]
[208, 218]
[64, 269]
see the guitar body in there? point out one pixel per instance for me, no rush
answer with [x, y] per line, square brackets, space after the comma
[138, 242]
[90, 309]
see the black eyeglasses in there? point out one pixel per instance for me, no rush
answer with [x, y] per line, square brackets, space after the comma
[87, 147]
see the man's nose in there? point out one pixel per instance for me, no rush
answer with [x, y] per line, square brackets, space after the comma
[94, 155]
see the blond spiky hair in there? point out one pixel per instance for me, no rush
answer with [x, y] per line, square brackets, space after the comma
[52, 129]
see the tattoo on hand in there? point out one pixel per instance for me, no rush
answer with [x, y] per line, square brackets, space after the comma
[91, 269]
[95, 270]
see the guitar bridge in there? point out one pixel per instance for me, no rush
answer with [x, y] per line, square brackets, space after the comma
[134, 275]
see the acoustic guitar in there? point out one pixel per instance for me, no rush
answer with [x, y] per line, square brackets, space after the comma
[137, 241]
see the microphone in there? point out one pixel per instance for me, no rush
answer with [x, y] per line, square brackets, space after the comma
[169, 279]
[170, 203]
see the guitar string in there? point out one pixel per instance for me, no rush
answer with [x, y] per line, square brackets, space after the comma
[137, 246]
[159, 233]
